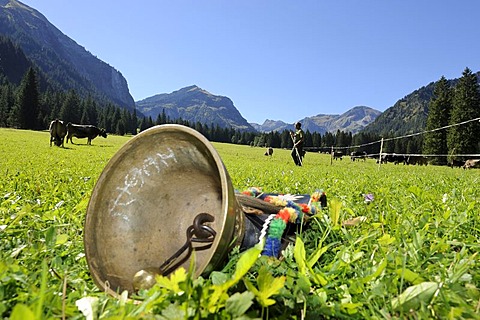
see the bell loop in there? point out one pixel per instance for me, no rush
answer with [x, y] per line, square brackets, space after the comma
[201, 230]
[198, 232]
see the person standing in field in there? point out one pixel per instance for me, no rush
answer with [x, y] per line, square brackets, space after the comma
[298, 137]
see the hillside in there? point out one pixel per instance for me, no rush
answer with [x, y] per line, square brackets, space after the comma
[67, 64]
[13, 63]
[408, 115]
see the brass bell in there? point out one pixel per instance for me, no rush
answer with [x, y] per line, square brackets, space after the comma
[163, 186]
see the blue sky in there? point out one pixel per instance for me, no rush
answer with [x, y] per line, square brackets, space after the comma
[277, 59]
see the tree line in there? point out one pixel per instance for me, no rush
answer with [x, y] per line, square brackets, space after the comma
[25, 107]
[451, 106]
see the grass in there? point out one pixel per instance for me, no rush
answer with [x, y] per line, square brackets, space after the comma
[416, 255]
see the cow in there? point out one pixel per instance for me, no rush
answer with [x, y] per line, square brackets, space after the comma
[84, 131]
[337, 155]
[357, 155]
[395, 158]
[269, 151]
[420, 160]
[471, 163]
[58, 131]
[456, 163]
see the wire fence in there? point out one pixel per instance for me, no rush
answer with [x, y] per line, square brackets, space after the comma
[380, 154]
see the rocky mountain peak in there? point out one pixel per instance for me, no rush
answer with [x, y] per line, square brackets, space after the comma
[195, 104]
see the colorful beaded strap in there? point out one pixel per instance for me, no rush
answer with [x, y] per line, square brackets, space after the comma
[291, 213]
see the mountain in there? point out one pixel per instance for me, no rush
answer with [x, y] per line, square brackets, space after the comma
[67, 64]
[272, 125]
[195, 105]
[353, 121]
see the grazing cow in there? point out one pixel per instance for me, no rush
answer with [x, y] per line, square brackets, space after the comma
[471, 163]
[58, 131]
[84, 131]
[420, 160]
[456, 163]
[269, 151]
[395, 158]
[337, 155]
[357, 155]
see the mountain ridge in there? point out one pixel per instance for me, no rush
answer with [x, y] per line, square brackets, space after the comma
[352, 120]
[67, 63]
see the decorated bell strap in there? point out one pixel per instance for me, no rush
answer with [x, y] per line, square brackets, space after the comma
[275, 213]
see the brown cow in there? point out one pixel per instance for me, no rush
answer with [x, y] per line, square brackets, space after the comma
[471, 163]
[58, 131]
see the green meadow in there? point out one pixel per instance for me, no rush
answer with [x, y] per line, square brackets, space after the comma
[414, 255]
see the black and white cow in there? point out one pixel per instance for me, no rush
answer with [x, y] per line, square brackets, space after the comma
[357, 155]
[337, 155]
[84, 131]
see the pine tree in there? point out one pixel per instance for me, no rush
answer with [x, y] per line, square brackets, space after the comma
[89, 111]
[120, 129]
[199, 127]
[164, 119]
[143, 124]
[342, 139]
[399, 146]
[328, 140]
[7, 100]
[116, 117]
[308, 139]
[53, 101]
[316, 139]
[150, 122]
[85, 118]
[70, 110]
[25, 112]
[133, 123]
[286, 141]
[438, 115]
[465, 138]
